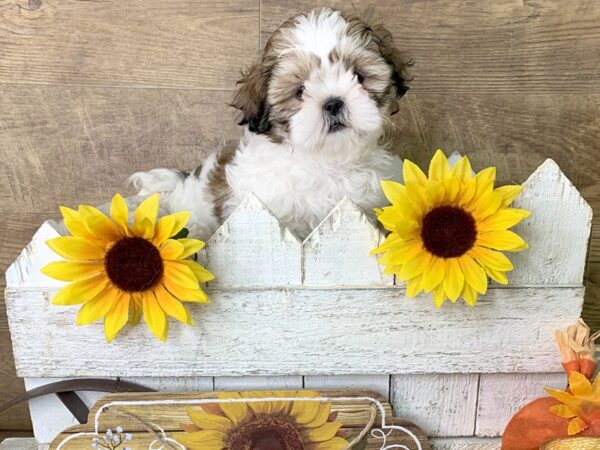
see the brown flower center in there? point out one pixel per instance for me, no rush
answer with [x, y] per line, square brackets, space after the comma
[133, 264]
[448, 231]
[266, 432]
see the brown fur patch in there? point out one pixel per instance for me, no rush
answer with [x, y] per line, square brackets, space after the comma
[218, 187]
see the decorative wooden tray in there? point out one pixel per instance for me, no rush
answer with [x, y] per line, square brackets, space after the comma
[152, 420]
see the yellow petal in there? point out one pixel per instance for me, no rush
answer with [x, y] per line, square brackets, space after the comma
[236, 412]
[169, 226]
[466, 192]
[501, 240]
[76, 248]
[487, 174]
[201, 274]
[474, 274]
[117, 317]
[563, 397]
[487, 205]
[462, 170]
[454, 280]
[170, 305]
[497, 275]
[305, 411]
[185, 294]
[451, 188]
[469, 295]
[579, 384]
[202, 440]
[391, 240]
[439, 296]
[321, 417]
[490, 258]
[147, 210]
[180, 274]
[323, 433]
[337, 443]
[393, 191]
[119, 212]
[415, 266]
[171, 249]
[417, 194]
[191, 247]
[439, 169]
[80, 291]
[502, 219]
[576, 426]
[414, 286]
[208, 421]
[72, 270]
[434, 191]
[154, 316]
[434, 273]
[99, 224]
[563, 411]
[411, 172]
[98, 307]
[135, 309]
[74, 223]
[509, 193]
[143, 229]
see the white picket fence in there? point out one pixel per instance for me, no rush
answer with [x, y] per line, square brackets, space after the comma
[317, 314]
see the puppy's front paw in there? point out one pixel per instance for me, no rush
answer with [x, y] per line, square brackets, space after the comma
[156, 180]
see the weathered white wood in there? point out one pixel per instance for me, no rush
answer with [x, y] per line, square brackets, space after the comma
[501, 395]
[257, 383]
[21, 444]
[557, 231]
[174, 384]
[337, 252]
[46, 426]
[25, 271]
[303, 331]
[376, 383]
[442, 404]
[253, 249]
[465, 443]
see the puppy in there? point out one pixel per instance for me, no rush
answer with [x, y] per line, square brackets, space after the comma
[316, 113]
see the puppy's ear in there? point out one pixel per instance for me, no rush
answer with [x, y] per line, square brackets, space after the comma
[394, 57]
[251, 98]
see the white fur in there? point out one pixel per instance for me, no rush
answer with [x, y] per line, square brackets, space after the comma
[305, 176]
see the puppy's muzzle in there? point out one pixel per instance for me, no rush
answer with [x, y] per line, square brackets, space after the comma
[334, 111]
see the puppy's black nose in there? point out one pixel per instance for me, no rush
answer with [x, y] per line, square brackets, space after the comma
[333, 105]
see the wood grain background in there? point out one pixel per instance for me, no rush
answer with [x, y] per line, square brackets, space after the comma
[92, 91]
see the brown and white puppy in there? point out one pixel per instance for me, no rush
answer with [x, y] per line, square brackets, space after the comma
[316, 114]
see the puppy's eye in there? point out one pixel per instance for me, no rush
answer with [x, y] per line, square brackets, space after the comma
[300, 92]
[359, 77]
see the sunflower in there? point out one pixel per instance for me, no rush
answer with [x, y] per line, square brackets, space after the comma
[263, 425]
[448, 230]
[120, 271]
[581, 404]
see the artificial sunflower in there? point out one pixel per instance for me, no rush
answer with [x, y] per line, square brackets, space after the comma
[263, 425]
[120, 271]
[581, 405]
[448, 229]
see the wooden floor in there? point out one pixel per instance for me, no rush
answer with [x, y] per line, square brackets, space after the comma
[92, 91]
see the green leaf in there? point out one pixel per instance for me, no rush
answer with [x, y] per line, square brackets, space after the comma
[183, 233]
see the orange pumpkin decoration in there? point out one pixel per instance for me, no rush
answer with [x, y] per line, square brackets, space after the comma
[565, 414]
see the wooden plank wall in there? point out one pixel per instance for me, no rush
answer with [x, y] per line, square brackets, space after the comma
[93, 91]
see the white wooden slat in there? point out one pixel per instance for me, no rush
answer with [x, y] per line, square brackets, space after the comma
[465, 443]
[337, 252]
[442, 404]
[258, 383]
[501, 395]
[46, 426]
[21, 444]
[174, 384]
[252, 249]
[557, 232]
[25, 271]
[376, 383]
[303, 331]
